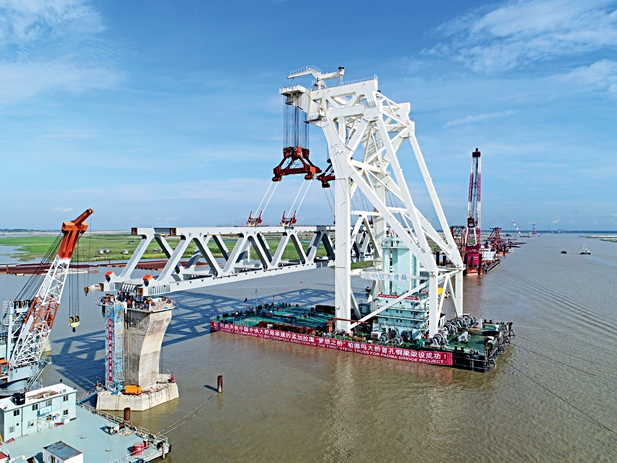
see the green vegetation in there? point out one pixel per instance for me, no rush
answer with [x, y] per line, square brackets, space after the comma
[365, 264]
[609, 238]
[120, 246]
[34, 247]
[30, 246]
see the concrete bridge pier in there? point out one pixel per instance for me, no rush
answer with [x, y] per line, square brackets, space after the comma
[144, 385]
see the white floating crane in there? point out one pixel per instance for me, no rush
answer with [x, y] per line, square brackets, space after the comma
[364, 131]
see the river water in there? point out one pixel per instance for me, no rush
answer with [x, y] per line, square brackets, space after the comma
[551, 398]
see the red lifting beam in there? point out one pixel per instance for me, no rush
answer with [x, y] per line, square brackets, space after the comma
[295, 161]
[254, 221]
[327, 176]
[288, 221]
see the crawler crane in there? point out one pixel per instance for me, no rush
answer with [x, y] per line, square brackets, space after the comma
[27, 323]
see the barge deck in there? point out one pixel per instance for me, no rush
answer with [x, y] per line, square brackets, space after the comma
[475, 347]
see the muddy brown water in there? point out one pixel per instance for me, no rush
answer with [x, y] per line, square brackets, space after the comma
[551, 398]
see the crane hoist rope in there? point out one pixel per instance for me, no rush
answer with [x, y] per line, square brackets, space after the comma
[39, 320]
[29, 289]
[306, 184]
[325, 190]
[255, 221]
[74, 282]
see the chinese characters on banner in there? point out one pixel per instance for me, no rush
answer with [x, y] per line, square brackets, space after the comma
[397, 353]
[110, 350]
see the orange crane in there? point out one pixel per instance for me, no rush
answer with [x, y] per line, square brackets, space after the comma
[28, 331]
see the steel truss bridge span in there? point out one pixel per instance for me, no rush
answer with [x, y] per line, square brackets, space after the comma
[364, 132]
[247, 253]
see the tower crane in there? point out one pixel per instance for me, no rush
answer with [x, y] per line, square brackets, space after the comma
[26, 325]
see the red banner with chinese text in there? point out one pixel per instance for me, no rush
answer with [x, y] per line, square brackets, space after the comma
[110, 350]
[396, 353]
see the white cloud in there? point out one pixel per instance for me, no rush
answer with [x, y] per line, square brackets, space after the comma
[525, 32]
[477, 118]
[601, 75]
[51, 45]
[26, 21]
[61, 209]
[26, 79]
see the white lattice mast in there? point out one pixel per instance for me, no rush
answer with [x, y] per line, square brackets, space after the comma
[517, 229]
[364, 131]
[474, 202]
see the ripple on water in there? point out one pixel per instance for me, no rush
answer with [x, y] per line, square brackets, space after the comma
[550, 399]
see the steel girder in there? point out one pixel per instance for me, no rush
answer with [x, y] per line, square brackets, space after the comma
[364, 130]
[234, 244]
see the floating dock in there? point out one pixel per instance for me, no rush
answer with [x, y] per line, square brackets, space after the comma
[49, 416]
[470, 348]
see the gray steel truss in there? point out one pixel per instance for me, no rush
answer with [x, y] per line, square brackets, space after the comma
[247, 253]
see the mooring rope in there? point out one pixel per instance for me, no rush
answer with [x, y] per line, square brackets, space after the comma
[591, 418]
[187, 417]
[518, 336]
[555, 360]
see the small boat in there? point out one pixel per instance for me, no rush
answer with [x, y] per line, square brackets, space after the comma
[564, 252]
[585, 251]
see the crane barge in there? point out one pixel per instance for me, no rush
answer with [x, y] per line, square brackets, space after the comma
[376, 219]
[28, 321]
[478, 258]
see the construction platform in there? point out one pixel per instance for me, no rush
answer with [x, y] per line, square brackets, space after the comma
[470, 348]
[148, 398]
[97, 436]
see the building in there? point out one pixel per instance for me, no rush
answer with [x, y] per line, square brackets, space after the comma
[27, 413]
[60, 452]
[64, 432]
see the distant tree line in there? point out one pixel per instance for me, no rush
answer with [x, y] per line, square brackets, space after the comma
[21, 230]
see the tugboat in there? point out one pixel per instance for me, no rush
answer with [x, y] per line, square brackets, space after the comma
[585, 251]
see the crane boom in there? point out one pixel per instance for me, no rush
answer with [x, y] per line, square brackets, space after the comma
[517, 229]
[40, 318]
[474, 201]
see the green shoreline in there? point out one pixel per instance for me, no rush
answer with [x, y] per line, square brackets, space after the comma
[34, 247]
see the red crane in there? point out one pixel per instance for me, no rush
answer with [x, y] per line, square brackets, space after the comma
[29, 338]
[473, 229]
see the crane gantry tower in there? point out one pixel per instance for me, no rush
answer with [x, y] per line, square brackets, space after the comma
[364, 131]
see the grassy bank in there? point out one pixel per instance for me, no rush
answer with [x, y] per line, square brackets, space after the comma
[120, 247]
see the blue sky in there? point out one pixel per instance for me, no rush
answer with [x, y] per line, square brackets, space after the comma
[167, 113]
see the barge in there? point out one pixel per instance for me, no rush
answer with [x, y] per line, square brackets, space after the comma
[48, 423]
[470, 344]
[393, 323]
